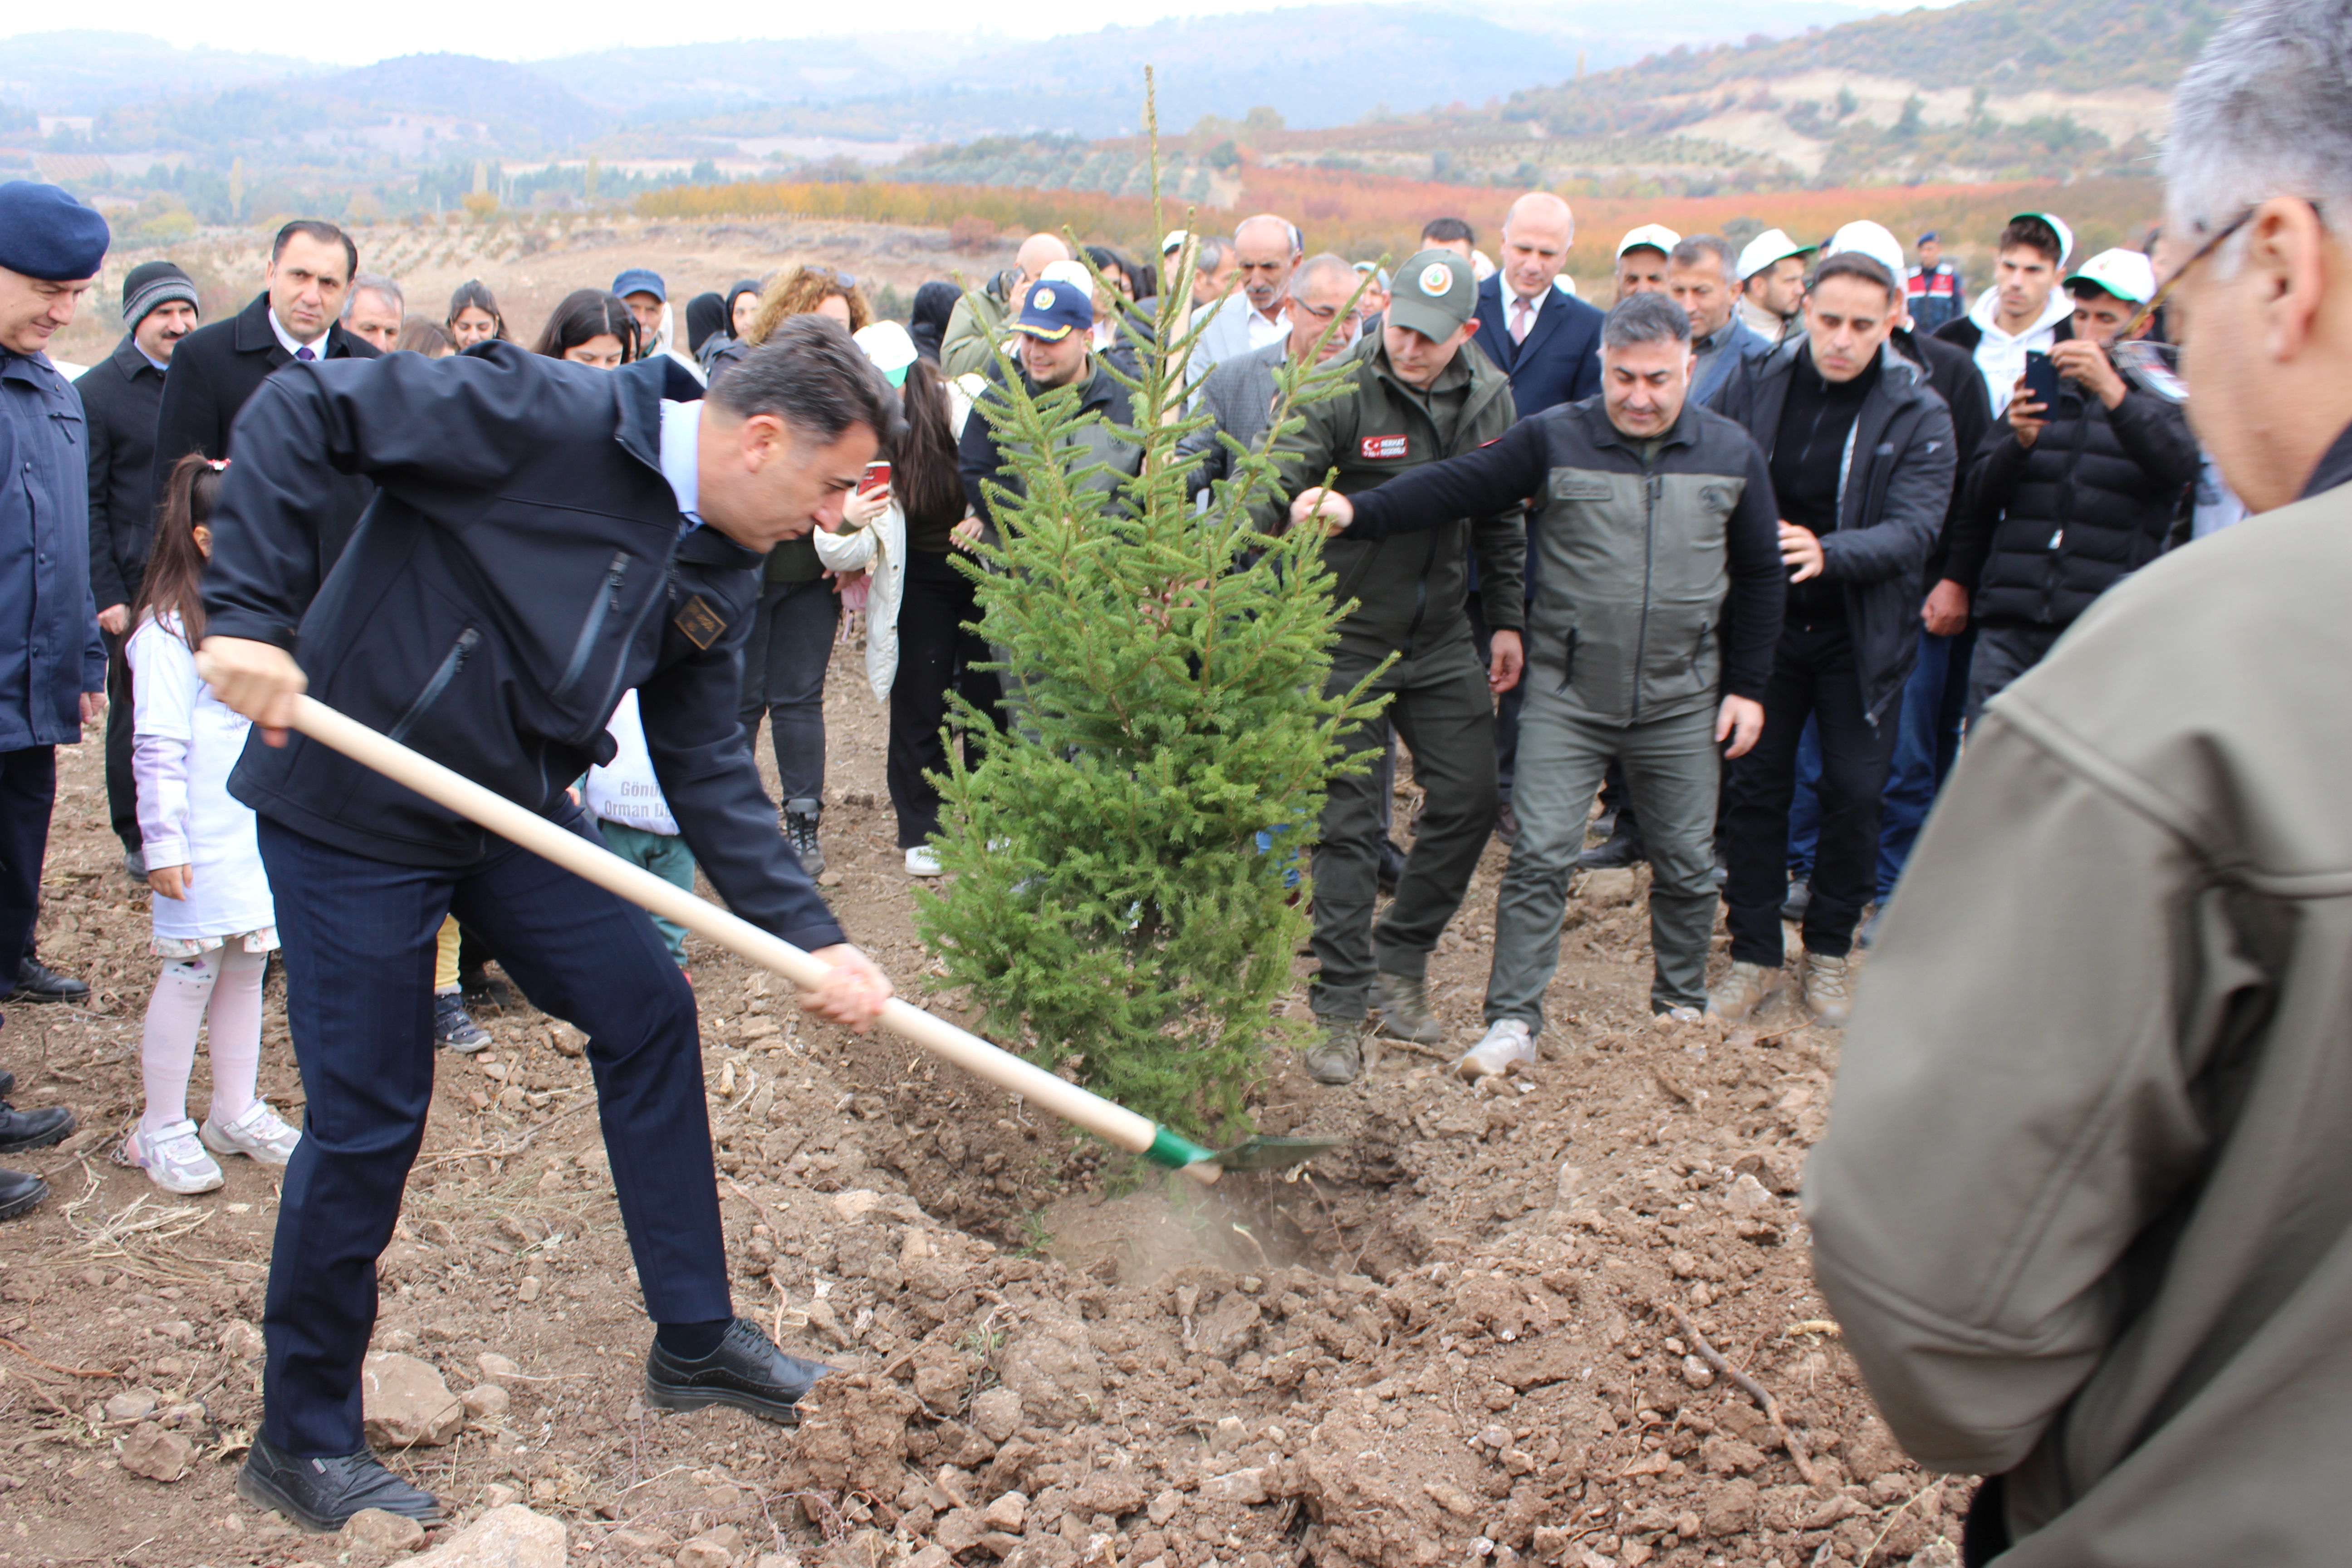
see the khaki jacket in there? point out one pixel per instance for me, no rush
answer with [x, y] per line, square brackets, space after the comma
[2084, 1207]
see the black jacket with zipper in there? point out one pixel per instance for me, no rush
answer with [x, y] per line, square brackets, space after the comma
[520, 568]
[1894, 487]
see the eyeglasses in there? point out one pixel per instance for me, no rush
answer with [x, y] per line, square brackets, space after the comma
[2156, 366]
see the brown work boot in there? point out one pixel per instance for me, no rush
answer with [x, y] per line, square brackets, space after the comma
[1744, 992]
[1336, 1055]
[1829, 987]
[1401, 1003]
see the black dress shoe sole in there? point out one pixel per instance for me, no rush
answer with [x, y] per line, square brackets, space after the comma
[24, 1202]
[263, 1492]
[783, 1411]
[58, 1134]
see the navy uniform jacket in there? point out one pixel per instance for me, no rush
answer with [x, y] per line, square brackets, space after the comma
[520, 567]
[50, 651]
[1560, 363]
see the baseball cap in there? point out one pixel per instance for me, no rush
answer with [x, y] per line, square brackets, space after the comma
[892, 351]
[1057, 305]
[1656, 235]
[2127, 274]
[1863, 238]
[2058, 225]
[1436, 291]
[1773, 245]
[1172, 238]
[640, 280]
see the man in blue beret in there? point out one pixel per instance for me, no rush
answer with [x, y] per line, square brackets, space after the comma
[52, 659]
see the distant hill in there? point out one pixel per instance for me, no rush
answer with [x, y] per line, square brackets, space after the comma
[86, 71]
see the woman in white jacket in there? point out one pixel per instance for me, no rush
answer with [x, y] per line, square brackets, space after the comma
[919, 643]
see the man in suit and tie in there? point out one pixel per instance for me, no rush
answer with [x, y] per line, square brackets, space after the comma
[1549, 342]
[294, 320]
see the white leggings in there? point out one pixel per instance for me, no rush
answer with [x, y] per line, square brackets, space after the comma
[224, 987]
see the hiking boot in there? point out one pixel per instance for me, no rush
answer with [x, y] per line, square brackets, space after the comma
[453, 1028]
[1337, 1057]
[1744, 992]
[1622, 848]
[1401, 1005]
[1507, 1048]
[1800, 900]
[322, 1494]
[800, 827]
[1829, 987]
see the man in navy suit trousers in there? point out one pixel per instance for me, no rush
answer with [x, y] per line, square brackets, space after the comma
[1549, 342]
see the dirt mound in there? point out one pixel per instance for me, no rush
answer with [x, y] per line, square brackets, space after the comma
[1473, 1332]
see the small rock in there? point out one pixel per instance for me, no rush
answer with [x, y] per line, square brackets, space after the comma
[931, 1556]
[510, 1536]
[1164, 1507]
[856, 1204]
[497, 1496]
[1495, 1437]
[241, 1340]
[1731, 1507]
[131, 1405]
[405, 1405]
[1605, 890]
[1007, 1513]
[1230, 1433]
[486, 1400]
[567, 1040]
[711, 1549]
[1229, 1328]
[375, 1529]
[496, 1367]
[997, 1413]
[828, 880]
[1697, 1372]
[158, 1454]
[1241, 1487]
[527, 1291]
[1747, 1193]
[958, 1531]
[1778, 1173]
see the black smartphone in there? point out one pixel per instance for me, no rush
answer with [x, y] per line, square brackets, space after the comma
[2040, 379]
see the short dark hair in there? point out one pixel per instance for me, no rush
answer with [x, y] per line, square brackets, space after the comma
[1645, 317]
[1448, 231]
[1688, 252]
[1853, 264]
[2032, 233]
[812, 375]
[325, 233]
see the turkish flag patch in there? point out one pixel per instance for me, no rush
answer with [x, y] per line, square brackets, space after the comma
[1378, 449]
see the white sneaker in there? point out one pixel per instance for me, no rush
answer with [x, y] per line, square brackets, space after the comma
[259, 1135]
[1506, 1047]
[922, 861]
[173, 1158]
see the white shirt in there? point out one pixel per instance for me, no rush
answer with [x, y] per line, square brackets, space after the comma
[1262, 332]
[2001, 358]
[292, 345]
[681, 457]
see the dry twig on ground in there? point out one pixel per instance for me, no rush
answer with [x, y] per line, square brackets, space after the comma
[1755, 1390]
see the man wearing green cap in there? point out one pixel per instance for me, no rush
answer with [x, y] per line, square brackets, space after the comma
[1415, 398]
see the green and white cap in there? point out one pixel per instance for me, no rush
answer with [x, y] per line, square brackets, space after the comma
[2128, 275]
[1435, 292]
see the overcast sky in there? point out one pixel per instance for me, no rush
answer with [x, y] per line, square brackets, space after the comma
[503, 29]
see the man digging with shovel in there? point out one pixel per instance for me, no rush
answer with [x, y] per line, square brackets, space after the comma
[544, 538]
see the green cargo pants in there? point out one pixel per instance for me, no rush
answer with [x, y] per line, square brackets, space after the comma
[1445, 717]
[1671, 774]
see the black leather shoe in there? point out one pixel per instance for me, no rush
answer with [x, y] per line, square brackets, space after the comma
[1391, 869]
[19, 1192]
[22, 1130]
[1623, 848]
[484, 989]
[746, 1371]
[322, 1494]
[37, 982]
[7, 1083]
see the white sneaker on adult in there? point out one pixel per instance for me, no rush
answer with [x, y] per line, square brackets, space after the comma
[173, 1158]
[922, 861]
[1506, 1047]
[259, 1135]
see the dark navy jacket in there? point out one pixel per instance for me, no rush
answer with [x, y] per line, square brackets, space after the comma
[1560, 363]
[50, 652]
[520, 568]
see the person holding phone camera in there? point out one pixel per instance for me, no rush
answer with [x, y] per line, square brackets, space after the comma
[2077, 488]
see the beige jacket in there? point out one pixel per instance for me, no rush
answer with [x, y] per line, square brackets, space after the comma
[2084, 1207]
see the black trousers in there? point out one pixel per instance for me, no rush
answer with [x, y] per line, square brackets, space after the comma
[121, 787]
[28, 788]
[1813, 676]
[784, 664]
[938, 653]
[358, 937]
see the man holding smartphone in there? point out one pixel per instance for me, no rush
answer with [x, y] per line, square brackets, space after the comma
[2075, 490]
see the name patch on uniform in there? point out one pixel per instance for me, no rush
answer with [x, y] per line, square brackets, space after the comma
[699, 622]
[1572, 484]
[1379, 448]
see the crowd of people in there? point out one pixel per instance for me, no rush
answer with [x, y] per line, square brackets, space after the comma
[1745, 559]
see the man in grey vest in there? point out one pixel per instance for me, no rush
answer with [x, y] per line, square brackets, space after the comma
[1655, 615]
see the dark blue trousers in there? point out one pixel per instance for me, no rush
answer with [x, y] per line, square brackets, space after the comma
[358, 939]
[28, 788]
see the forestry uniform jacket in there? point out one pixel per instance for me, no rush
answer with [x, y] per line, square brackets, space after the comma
[1894, 487]
[2047, 529]
[1410, 592]
[522, 565]
[1661, 583]
[2083, 1210]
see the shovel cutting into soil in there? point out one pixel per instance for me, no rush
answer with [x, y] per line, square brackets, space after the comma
[1113, 1123]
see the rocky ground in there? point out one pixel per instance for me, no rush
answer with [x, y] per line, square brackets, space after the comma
[1494, 1325]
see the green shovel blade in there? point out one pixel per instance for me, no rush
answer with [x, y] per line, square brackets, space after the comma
[1269, 1153]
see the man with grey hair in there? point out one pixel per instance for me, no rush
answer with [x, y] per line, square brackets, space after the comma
[1266, 250]
[2082, 1209]
[373, 311]
[1702, 278]
[1240, 394]
[1650, 642]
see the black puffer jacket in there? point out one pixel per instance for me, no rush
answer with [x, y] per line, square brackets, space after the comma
[2047, 529]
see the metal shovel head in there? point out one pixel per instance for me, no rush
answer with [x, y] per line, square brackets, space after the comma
[1266, 1153]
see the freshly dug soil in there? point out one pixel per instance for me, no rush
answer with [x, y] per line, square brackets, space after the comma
[1470, 1333]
